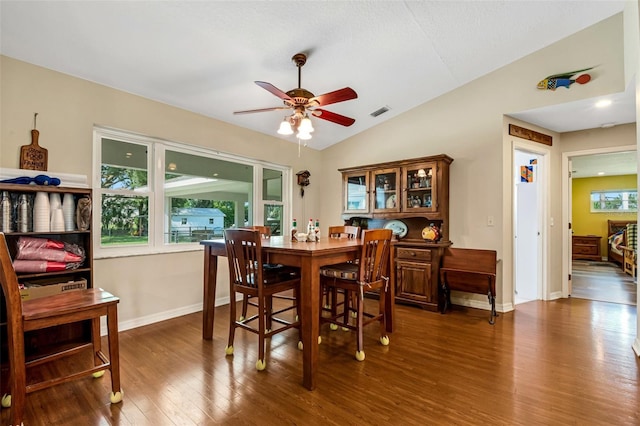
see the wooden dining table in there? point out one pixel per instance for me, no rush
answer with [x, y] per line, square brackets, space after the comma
[309, 257]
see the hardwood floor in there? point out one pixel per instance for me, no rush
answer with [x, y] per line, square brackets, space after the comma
[565, 362]
[603, 281]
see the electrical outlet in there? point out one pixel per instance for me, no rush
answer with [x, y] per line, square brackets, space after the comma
[489, 220]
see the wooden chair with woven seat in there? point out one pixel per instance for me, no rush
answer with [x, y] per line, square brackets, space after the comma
[247, 276]
[265, 232]
[37, 314]
[270, 268]
[331, 297]
[369, 274]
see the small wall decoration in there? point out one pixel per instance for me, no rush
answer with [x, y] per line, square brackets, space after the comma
[529, 134]
[303, 180]
[33, 157]
[564, 79]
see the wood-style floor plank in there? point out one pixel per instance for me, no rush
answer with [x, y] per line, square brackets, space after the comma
[547, 363]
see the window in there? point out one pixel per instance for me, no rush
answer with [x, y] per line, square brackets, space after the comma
[125, 196]
[618, 200]
[157, 195]
[272, 200]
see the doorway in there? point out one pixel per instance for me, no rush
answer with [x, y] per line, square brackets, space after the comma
[586, 171]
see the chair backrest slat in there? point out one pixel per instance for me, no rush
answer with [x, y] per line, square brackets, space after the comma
[244, 253]
[344, 231]
[374, 259]
[265, 231]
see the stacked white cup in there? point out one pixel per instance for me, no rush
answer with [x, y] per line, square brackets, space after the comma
[69, 212]
[56, 218]
[41, 213]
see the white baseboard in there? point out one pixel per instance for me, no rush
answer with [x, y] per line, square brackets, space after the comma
[636, 346]
[478, 304]
[160, 316]
[555, 295]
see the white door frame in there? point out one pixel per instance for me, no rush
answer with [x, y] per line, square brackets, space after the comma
[543, 212]
[566, 243]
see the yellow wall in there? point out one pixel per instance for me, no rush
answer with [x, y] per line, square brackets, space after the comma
[584, 222]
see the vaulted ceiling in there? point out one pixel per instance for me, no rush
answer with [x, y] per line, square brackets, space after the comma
[204, 56]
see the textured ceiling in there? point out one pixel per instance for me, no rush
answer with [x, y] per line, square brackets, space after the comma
[204, 56]
[611, 164]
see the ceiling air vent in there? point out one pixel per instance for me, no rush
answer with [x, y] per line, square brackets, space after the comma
[379, 111]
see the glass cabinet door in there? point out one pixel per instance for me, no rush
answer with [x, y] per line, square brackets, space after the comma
[356, 194]
[420, 187]
[386, 190]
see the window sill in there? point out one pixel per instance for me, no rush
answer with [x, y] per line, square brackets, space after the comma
[114, 252]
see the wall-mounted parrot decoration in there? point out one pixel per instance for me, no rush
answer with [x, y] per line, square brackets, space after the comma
[564, 79]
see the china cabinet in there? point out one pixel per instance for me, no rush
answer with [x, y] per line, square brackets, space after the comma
[411, 197]
[40, 342]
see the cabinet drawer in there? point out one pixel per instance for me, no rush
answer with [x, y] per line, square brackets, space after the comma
[585, 249]
[585, 240]
[412, 253]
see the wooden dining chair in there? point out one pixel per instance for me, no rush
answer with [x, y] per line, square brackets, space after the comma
[270, 268]
[37, 314]
[344, 231]
[369, 274]
[330, 298]
[248, 276]
[265, 232]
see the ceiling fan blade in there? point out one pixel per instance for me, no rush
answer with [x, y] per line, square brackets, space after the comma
[336, 96]
[274, 90]
[251, 111]
[333, 117]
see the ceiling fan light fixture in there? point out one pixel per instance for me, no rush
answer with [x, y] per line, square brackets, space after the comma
[305, 125]
[305, 103]
[285, 128]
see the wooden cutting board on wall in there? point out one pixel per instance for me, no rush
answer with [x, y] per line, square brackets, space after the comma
[33, 156]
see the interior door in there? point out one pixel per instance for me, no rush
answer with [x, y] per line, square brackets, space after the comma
[527, 240]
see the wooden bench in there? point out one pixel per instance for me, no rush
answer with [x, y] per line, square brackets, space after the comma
[469, 270]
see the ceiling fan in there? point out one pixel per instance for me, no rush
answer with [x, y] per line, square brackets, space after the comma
[303, 102]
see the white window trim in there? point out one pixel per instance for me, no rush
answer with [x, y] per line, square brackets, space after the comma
[613, 191]
[156, 167]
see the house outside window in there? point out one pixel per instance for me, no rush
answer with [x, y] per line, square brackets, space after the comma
[157, 195]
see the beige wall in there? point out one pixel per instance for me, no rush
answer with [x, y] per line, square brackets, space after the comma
[155, 286]
[466, 124]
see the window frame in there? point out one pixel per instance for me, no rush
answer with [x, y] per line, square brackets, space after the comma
[156, 148]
